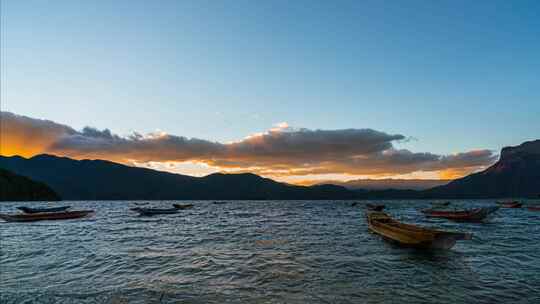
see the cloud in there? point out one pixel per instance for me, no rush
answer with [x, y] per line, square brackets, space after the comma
[135, 147]
[27, 136]
[280, 151]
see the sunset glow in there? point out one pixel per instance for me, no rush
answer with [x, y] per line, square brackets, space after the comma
[283, 153]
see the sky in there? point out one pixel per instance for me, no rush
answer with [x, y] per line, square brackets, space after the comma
[435, 81]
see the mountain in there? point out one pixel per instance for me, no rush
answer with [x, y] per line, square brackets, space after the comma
[390, 183]
[14, 187]
[516, 174]
[104, 180]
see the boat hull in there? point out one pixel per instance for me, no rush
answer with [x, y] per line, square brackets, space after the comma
[149, 212]
[45, 216]
[182, 207]
[510, 204]
[43, 210]
[473, 215]
[412, 235]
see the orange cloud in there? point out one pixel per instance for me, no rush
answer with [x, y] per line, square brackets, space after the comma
[24, 136]
[280, 152]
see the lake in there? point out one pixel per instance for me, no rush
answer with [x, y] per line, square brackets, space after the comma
[263, 252]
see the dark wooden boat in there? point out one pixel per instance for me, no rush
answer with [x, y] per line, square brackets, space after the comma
[354, 204]
[49, 216]
[514, 204]
[373, 207]
[472, 215]
[43, 210]
[181, 207]
[219, 202]
[141, 203]
[412, 235]
[155, 211]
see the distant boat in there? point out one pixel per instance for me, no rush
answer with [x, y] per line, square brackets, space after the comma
[141, 203]
[534, 208]
[472, 215]
[187, 206]
[43, 210]
[412, 235]
[220, 202]
[513, 204]
[45, 216]
[155, 211]
[354, 204]
[373, 207]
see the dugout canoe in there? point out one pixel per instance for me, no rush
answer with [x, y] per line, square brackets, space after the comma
[412, 235]
[471, 215]
[43, 210]
[45, 216]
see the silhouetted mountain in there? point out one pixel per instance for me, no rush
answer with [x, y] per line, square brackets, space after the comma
[390, 184]
[104, 180]
[516, 174]
[14, 187]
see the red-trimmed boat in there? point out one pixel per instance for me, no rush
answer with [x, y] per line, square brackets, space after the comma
[45, 216]
[472, 215]
[514, 204]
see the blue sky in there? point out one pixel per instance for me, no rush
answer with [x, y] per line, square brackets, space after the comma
[454, 75]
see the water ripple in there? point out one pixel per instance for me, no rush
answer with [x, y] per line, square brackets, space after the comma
[263, 252]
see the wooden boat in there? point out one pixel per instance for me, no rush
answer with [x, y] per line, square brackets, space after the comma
[141, 203]
[412, 235]
[354, 204]
[219, 202]
[373, 207]
[514, 204]
[155, 211]
[48, 216]
[187, 206]
[472, 215]
[534, 208]
[42, 210]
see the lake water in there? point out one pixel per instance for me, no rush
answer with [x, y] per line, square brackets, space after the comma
[263, 252]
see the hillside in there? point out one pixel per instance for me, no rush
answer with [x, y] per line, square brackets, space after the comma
[104, 180]
[516, 174]
[14, 187]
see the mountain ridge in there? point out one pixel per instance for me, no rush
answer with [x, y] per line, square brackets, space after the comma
[100, 180]
[515, 174]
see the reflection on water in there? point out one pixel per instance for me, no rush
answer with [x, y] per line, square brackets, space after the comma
[263, 252]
